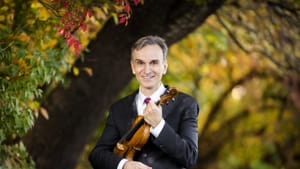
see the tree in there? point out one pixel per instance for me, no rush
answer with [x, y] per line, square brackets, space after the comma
[76, 111]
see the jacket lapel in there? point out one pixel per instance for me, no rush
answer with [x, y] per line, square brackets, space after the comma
[168, 107]
[133, 109]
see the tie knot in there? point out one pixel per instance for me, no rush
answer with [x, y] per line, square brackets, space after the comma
[147, 100]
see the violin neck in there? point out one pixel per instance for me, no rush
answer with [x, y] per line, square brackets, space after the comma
[131, 132]
[157, 103]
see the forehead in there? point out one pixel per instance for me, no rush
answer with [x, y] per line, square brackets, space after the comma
[149, 52]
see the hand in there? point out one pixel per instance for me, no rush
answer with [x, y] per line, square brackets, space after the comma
[152, 114]
[135, 165]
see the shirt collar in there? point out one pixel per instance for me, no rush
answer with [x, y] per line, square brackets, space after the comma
[155, 96]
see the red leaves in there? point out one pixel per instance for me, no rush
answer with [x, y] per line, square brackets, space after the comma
[123, 18]
[88, 13]
[126, 13]
[71, 20]
[74, 16]
[72, 40]
[127, 7]
[136, 2]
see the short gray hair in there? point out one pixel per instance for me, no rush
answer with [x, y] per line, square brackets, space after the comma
[151, 40]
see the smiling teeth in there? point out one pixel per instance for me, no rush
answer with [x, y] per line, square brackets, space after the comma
[147, 77]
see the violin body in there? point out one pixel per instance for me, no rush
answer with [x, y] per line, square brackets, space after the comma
[139, 133]
[129, 148]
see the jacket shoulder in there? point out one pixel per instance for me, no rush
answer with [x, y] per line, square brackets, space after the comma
[186, 98]
[125, 100]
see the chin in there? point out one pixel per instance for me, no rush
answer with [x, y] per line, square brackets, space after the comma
[147, 86]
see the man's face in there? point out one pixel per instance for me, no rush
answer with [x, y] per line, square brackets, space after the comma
[148, 66]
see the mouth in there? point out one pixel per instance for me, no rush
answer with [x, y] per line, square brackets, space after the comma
[149, 77]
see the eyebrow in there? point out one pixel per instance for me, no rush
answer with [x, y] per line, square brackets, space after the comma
[140, 60]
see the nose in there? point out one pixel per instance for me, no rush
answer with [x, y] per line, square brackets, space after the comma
[147, 68]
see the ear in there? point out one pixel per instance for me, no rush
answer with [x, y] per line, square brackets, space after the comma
[132, 68]
[165, 67]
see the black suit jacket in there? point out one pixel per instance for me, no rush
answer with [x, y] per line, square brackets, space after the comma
[175, 148]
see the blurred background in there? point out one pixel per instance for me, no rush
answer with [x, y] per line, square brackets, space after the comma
[241, 61]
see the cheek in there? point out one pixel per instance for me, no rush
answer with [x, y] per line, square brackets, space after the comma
[138, 69]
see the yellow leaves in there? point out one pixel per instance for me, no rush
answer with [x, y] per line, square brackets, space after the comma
[118, 7]
[30, 21]
[2, 18]
[99, 13]
[22, 63]
[6, 14]
[211, 38]
[115, 17]
[63, 70]
[28, 56]
[4, 8]
[34, 105]
[75, 71]
[36, 5]
[52, 43]
[87, 70]
[49, 44]
[105, 8]
[85, 38]
[69, 58]
[24, 37]
[184, 60]
[24, 67]
[42, 13]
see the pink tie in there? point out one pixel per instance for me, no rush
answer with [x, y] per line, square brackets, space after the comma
[147, 100]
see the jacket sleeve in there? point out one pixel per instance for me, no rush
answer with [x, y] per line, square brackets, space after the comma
[182, 143]
[102, 156]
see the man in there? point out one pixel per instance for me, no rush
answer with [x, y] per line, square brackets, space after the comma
[173, 142]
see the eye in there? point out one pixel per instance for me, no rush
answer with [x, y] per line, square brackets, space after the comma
[154, 62]
[139, 62]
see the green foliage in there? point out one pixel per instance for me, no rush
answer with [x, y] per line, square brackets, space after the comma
[39, 42]
[16, 157]
[30, 57]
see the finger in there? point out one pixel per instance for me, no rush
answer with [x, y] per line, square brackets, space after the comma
[144, 166]
[153, 107]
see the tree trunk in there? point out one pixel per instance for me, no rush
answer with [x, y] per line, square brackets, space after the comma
[76, 111]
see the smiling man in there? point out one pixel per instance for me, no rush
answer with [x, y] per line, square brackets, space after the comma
[173, 141]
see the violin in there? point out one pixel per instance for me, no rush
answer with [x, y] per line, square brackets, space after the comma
[139, 133]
